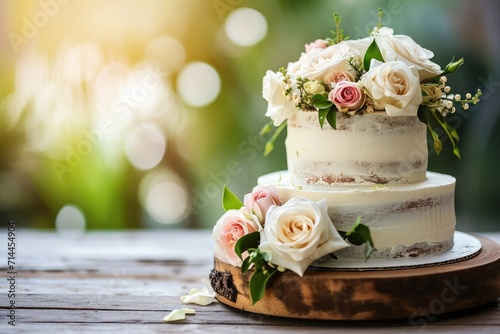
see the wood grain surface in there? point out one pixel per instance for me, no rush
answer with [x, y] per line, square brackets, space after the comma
[374, 295]
[126, 282]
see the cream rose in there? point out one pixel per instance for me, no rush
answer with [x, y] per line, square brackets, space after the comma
[279, 108]
[298, 233]
[433, 93]
[229, 228]
[337, 76]
[404, 48]
[393, 86]
[260, 200]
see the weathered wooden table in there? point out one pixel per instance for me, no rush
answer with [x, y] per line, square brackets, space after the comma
[126, 282]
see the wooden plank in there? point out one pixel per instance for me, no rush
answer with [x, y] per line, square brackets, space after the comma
[103, 287]
[488, 314]
[215, 315]
[195, 328]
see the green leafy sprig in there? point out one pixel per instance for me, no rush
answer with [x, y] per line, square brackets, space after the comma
[337, 34]
[358, 235]
[380, 14]
[326, 110]
[269, 147]
[263, 270]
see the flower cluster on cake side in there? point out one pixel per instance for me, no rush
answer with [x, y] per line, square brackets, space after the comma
[383, 73]
[271, 236]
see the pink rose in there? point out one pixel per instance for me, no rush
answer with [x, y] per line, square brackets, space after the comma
[260, 200]
[347, 96]
[319, 44]
[229, 228]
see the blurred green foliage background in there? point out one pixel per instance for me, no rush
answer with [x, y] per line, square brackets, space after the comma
[133, 114]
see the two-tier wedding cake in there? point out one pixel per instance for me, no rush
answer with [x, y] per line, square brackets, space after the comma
[357, 114]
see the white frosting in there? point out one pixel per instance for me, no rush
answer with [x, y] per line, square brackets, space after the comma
[398, 215]
[364, 149]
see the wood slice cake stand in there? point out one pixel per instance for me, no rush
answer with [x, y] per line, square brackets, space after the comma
[369, 294]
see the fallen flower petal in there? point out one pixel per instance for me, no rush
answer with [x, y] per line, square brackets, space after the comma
[199, 298]
[204, 296]
[175, 315]
[188, 310]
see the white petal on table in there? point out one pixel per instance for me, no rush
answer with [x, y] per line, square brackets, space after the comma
[203, 297]
[178, 314]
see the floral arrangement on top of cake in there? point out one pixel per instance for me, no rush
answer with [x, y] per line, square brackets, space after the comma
[383, 73]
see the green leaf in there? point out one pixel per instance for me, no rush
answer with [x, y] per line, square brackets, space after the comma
[258, 283]
[331, 116]
[358, 235]
[320, 101]
[246, 242]
[373, 52]
[450, 132]
[230, 201]
[324, 106]
[354, 226]
[364, 232]
[270, 143]
[322, 113]
[438, 145]
[369, 250]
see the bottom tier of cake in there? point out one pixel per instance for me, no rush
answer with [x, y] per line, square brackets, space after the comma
[405, 220]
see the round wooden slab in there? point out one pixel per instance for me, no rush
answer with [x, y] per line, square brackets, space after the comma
[369, 295]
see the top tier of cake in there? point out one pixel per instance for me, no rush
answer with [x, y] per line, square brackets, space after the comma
[363, 150]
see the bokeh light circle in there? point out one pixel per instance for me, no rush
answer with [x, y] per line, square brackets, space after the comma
[164, 196]
[145, 146]
[167, 52]
[198, 84]
[245, 26]
[70, 221]
[167, 202]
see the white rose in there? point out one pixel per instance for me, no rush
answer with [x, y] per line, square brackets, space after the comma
[357, 47]
[279, 108]
[404, 48]
[299, 232]
[393, 86]
[318, 63]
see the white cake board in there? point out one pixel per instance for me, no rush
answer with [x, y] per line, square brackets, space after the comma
[465, 246]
